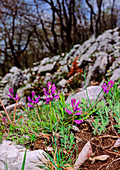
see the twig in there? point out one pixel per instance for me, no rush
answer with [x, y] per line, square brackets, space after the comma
[111, 152]
[112, 162]
[6, 111]
[1, 115]
[109, 136]
[102, 166]
[111, 118]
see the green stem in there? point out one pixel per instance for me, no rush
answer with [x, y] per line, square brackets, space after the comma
[90, 113]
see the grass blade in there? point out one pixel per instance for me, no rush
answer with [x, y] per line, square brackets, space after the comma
[23, 164]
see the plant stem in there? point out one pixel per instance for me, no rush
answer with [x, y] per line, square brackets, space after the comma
[6, 111]
[73, 118]
[15, 111]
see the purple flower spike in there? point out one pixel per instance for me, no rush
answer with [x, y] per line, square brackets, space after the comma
[76, 110]
[106, 87]
[32, 100]
[48, 85]
[50, 93]
[4, 119]
[33, 94]
[11, 91]
[78, 121]
[110, 84]
[16, 98]
[46, 92]
[68, 111]
[30, 105]
[53, 88]
[79, 113]
[11, 94]
[37, 100]
[73, 101]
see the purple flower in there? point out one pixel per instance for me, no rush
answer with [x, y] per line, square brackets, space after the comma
[76, 110]
[50, 93]
[106, 87]
[4, 119]
[12, 94]
[78, 121]
[33, 100]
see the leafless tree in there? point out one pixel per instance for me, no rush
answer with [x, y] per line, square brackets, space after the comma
[15, 34]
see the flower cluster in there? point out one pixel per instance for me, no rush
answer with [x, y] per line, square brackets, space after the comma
[106, 87]
[76, 110]
[33, 100]
[50, 93]
[4, 119]
[12, 94]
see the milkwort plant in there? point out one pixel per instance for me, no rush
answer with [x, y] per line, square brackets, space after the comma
[50, 95]
[55, 114]
[109, 112]
[77, 111]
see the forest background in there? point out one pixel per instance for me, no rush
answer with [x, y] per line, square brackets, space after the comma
[33, 29]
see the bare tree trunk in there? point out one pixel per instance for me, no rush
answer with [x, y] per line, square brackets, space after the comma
[91, 16]
[97, 21]
[112, 15]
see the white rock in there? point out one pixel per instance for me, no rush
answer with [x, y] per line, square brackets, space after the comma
[13, 69]
[46, 68]
[62, 83]
[14, 155]
[45, 61]
[116, 75]
[93, 92]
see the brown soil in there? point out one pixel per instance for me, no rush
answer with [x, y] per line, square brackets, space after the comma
[101, 145]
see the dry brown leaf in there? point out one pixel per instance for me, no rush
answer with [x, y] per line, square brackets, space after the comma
[75, 68]
[46, 136]
[99, 158]
[117, 144]
[84, 155]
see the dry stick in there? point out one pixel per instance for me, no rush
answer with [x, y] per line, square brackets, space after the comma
[111, 152]
[1, 115]
[109, 136]
[102, 166]
[112, 162]
[6, 111]
[113, 129]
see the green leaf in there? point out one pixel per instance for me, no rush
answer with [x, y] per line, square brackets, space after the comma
[23, 164]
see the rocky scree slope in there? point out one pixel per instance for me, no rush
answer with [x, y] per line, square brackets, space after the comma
[99, 57]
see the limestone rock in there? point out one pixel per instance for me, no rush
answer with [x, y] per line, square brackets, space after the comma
[46, 68]
[62, 83]
[48, 77]
[13, 69]
[45, 61]
[93, 92]
[116, 74]
[6, 78]
[14, 154]
[100, 65]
